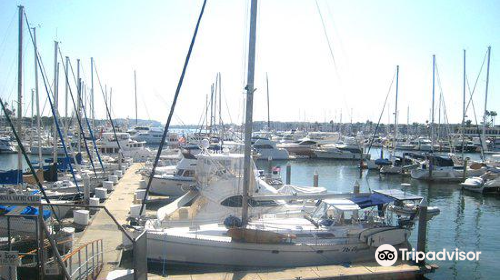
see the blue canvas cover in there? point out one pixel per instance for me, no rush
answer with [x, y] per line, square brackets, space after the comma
[373, 199]
[383, 161]
[29, 210]
[11, 177]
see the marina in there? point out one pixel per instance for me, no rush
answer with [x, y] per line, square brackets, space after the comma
[87, 192]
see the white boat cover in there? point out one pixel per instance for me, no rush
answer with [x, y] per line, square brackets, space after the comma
[168, 209]
[293, 190]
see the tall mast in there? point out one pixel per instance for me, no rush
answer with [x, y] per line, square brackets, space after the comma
[486, 103]
[66, 87]
[78, 102]
[38, 120]
[268, 114]
[56, 73]
[396, 111]
[20, 88]
[135, 92]
[433, 92]
[220, 101]
[32, 115]
[247, 167]
[463, 108]
[92, 92]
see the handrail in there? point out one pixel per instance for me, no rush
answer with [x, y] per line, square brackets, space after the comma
[66, 257]
[46, 245]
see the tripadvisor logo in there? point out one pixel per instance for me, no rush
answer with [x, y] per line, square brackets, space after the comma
[387, 255]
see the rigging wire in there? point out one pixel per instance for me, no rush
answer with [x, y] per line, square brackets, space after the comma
[381, 114]
[174, 102]
[327, 39]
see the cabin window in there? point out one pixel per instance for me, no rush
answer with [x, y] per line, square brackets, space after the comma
[189, 173]
[179, 172]
[237, 201]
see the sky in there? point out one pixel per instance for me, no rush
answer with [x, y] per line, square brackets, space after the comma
[306, 82]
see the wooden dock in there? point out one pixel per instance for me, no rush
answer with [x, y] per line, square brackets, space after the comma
[358, 271]
[102, 226]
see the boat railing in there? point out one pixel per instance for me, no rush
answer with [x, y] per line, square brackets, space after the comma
[86, 261]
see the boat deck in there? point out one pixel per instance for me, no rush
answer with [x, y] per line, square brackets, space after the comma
[358, 271]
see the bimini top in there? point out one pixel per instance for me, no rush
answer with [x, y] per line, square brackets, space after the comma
[373, 199]
[398, 194]
[342, 204]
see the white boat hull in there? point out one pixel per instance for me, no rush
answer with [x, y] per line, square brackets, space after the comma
[167, 248]
[170, 185]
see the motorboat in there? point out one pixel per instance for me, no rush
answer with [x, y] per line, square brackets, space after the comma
[444, 170]
[323, 138]
[266, 149]
[153, 135]
[6, 146]
[341, 151]
[129, 148]
[399, 165]
[176, 182]
[215, 194]
[302, 147]
[406, 204]
[487, 183]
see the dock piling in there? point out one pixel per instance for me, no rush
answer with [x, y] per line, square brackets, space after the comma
[465, 168]
[86, 188]
[288, 174]
[422, 228]
[316, 179]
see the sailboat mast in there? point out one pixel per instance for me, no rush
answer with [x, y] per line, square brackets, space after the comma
[135, 93]
[463, 107]
[92, 92]
[486, 102]
[268, 114]
[20, 88]
[247, 166]
[433, 93]
[54, 137]
[32, 116]
[38, 120]
[396, 111]
[78, 102]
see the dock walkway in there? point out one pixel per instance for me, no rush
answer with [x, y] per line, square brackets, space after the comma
[102, 226]
[358, 271]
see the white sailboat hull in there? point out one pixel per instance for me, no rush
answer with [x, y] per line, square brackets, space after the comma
[173, 249]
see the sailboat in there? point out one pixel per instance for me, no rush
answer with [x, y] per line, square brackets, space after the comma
[333, 233]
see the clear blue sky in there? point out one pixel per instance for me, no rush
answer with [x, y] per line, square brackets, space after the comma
[369, 38]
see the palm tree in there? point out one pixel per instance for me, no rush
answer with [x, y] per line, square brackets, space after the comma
[493, 114]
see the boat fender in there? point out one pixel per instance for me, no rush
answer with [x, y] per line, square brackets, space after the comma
[232, 221]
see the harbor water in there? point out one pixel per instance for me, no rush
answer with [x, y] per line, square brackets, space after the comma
[468, 221]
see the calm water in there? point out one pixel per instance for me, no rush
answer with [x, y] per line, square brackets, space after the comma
[470, 222]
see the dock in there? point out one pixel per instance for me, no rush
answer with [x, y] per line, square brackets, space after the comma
[359, 271]
[102, 226]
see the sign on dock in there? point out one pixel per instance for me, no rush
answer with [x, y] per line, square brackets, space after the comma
[16, 198]
[9, 258]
